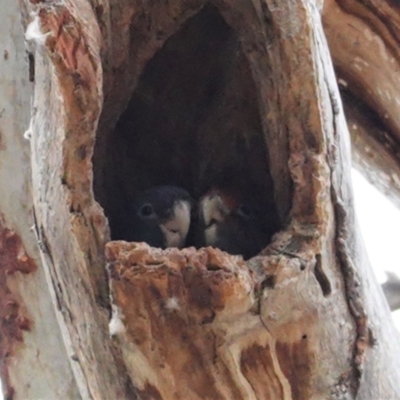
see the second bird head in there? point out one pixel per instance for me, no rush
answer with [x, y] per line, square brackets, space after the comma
[232, 224]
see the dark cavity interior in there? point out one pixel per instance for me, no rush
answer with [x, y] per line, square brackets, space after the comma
[192, 121]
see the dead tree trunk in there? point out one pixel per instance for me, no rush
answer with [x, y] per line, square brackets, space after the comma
[130, 94]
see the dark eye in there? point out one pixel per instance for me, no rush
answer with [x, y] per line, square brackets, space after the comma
[146, 211]
[245, 211]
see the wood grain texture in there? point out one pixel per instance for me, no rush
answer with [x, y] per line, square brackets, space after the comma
[363, 38]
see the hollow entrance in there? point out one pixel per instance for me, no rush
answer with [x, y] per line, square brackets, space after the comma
[192, 121]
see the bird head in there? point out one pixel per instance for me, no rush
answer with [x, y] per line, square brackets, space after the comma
[160, 217]
[231, 223]
[215, 207]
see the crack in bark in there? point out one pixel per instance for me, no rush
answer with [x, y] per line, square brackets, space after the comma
[321, 277]
[61, 306]
[350, 274]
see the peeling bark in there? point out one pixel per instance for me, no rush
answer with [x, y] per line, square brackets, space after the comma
[13, 320]
[219, 319]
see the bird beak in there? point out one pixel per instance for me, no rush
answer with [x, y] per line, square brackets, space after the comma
[212, 209]
[176, 228]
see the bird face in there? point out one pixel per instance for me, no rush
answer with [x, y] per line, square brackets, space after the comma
[160, 217]
[213, 212]
[230, 224]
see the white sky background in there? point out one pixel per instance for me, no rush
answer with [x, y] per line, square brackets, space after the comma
[379, 221]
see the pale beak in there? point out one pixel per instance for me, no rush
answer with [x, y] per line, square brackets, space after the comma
[176, 228]
[213, 211]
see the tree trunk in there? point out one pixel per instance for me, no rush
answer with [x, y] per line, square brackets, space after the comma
[131, 94]
[34, 361]
[364, 42]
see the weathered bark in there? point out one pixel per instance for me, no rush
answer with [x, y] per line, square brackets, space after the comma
[34, 361]
[364, 39]
[306, 318]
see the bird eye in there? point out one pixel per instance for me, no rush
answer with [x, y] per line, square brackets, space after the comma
[146, 211]
[245, 211]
